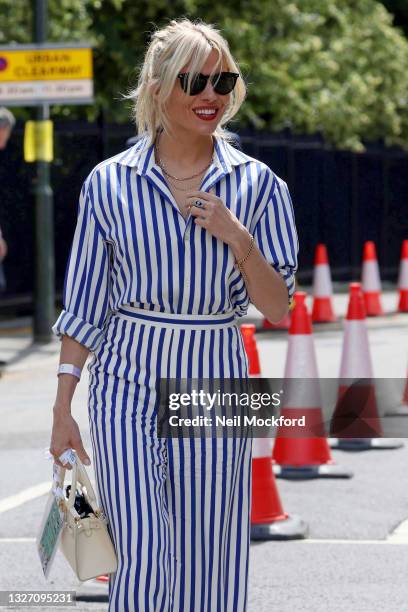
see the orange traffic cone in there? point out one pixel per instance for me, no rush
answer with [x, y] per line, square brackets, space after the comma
[294, 454]
[370, 282]
[403, 279]
[355, 424]
[248, 335]
[268, 520]
[322, 311]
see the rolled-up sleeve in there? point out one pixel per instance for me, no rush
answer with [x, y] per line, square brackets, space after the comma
[86, 284]
[275, 231]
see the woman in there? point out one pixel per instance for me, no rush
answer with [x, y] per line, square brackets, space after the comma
[174, 237]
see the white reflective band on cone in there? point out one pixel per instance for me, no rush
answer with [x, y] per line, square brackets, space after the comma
[261, 447]
[356, 358]
[370, 280]
[302, 393]
[403, 275]
[322, 285]
[301, 357]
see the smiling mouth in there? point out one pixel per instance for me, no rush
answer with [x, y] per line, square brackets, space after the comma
[206, 114]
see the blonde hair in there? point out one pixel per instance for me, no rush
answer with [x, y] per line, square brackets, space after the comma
[179, 43]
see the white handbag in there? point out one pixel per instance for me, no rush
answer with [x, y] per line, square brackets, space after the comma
[85, 542]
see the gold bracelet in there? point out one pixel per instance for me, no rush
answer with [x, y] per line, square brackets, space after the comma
[240, 263]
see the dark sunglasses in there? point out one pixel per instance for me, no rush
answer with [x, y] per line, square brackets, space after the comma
[223, 82]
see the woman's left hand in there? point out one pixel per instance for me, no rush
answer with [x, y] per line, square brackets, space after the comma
[214, 216]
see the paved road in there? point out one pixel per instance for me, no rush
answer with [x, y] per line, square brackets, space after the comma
[350, 562]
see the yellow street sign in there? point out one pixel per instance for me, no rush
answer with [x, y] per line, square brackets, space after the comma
[49, 73]
[45, 64]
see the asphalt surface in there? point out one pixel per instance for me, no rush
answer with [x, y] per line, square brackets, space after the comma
[350, 562]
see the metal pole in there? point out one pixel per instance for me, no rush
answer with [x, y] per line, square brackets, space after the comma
[44, 283]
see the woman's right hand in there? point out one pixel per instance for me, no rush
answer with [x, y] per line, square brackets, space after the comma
[65, 434]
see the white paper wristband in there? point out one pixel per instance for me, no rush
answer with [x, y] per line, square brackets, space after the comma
[69, 368]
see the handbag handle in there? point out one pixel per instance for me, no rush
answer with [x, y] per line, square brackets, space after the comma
[80, 475]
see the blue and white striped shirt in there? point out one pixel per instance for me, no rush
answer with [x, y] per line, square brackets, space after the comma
[133, 246]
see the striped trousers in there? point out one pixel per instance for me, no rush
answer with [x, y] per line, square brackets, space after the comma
[178, 508]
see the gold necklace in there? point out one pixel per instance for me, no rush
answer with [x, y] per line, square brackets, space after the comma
[188, 178]
[182, 188]
[163, 167]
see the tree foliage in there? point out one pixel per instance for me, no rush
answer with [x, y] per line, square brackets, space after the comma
[339, 67]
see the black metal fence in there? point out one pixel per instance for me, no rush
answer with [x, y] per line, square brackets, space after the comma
[340, 198]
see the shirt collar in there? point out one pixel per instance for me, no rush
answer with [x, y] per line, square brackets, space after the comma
[141, 156]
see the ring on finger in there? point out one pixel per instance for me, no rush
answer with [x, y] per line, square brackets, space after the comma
[199, 204]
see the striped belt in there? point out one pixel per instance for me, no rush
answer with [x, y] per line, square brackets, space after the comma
[168, 319]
